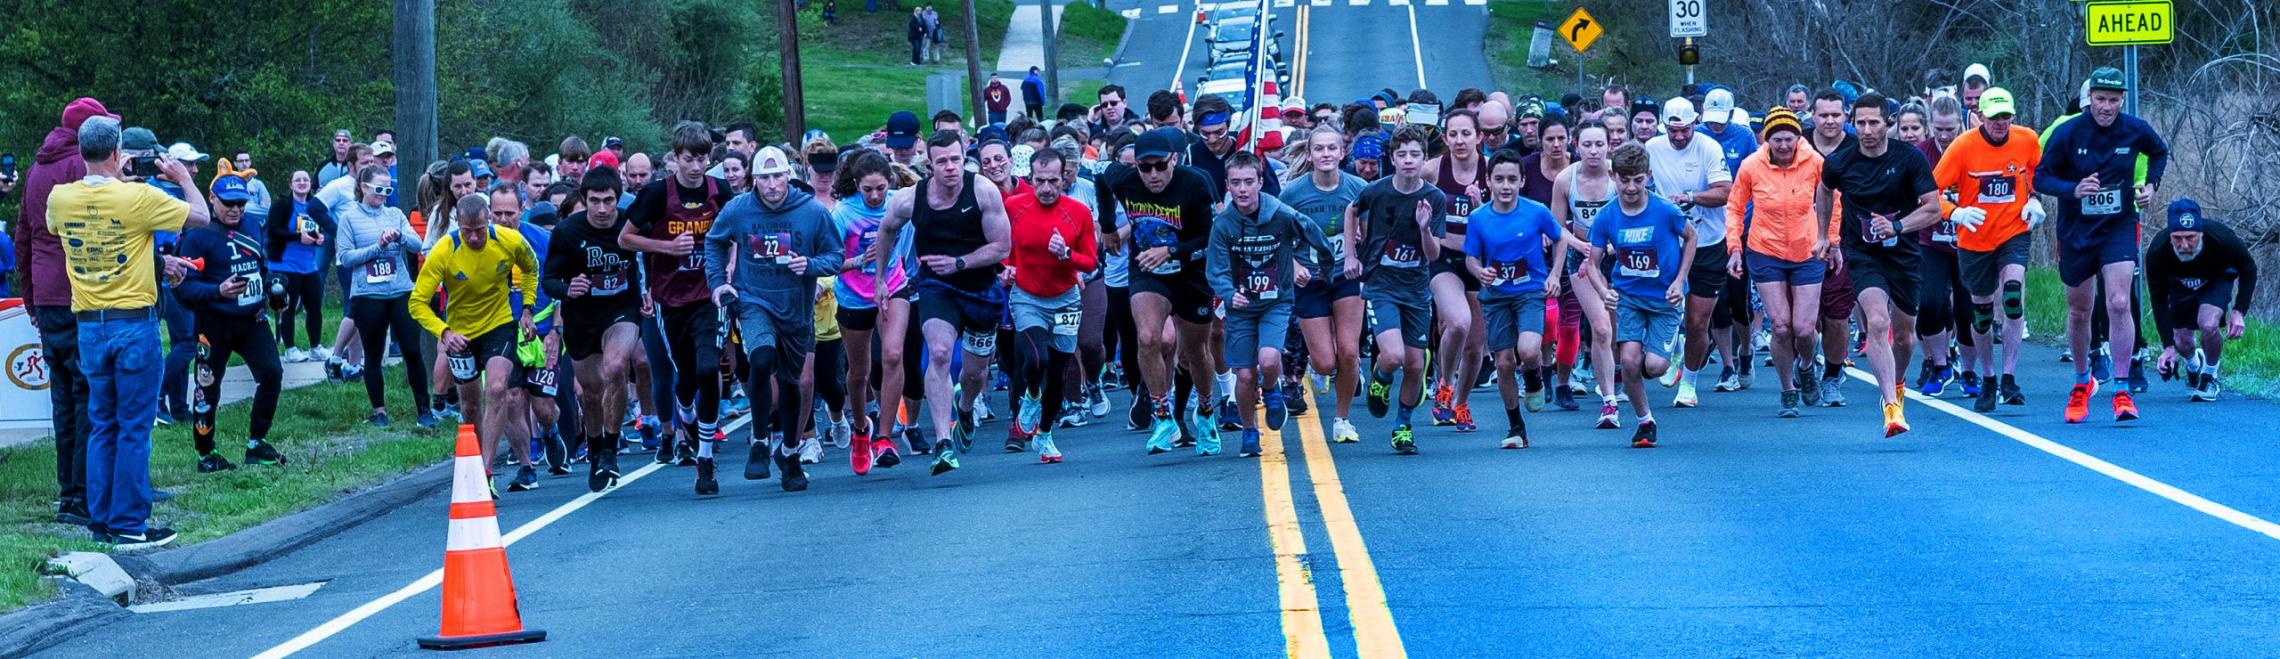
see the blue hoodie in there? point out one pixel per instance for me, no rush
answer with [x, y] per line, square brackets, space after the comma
[760, 237]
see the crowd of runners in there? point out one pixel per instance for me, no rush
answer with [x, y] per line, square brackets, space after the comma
[870, 293]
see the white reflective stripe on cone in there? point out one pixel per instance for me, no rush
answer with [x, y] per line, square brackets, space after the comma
[478, 533]
[469, 484]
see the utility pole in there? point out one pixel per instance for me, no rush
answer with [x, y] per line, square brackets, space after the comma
[977, 112]
[413, 40]
[795, 103]
[1052, 57]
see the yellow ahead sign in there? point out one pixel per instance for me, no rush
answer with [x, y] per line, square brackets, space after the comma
[2133, 23]
[1580, 29]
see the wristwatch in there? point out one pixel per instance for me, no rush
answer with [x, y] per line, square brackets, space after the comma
[961, 261]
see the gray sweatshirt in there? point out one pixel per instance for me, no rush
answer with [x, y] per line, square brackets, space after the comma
[1256, 253]
[761, 239]
[375, 270]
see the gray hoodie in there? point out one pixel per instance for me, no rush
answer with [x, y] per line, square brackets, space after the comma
[1258, 252]
[374, 270]
[760, 238]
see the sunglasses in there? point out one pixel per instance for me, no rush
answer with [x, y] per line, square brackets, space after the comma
[384, 190]
[1155, 165]
[234, 204]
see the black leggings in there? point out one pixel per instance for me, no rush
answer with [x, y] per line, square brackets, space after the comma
[692, 344]
[1042, 372]
[249, 339]
[831, 375]
[1123, 335]
[1941, 296]
[304, 294]
[390, 313]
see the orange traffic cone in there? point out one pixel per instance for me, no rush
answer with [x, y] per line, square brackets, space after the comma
[478, 591]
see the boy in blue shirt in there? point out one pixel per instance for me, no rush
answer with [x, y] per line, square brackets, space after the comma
[1637, 253]
[1505, 249]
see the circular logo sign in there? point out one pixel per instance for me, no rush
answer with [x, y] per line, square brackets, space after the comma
[28, 367]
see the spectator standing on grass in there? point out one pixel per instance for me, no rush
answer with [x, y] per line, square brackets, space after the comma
[259, 199]
[297, 231]
[340, 163]
[916, 33]
[998, 98]
[40, 253]
[108, 224]
[1033, 93]
[933, 35]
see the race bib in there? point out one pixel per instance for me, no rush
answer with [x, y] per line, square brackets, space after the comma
[1400, 255]
[694, 262]
[2190, 283]
[253, 290]
[1944, 232]
[981, 344]
[1998, 189]
[610, 283]
[1508, 273]
[542, 378]
[1460, 207]
[862, 246]
[462, 367]
[1065, 323]
[2107, 201]
[380, 270]
[1637, 263]
[1586, 211]
[1259, 284]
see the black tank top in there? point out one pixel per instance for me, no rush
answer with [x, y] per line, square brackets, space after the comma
[956, 231]
[1461, 203]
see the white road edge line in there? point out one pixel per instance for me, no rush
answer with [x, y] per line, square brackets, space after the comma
[2087, 461]
[433, 579]
[1185, 46]
[1415, 53]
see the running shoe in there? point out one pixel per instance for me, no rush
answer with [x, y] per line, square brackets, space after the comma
[1294, 397]
[1137, 415]
[2102, 366]
[296, 355]
[1609, 418]
[2124, 408]
[1832, 391]
[2136, 379]
[1342, 431]
[1027, 416]
[1790, 405]
[1229, 420]
[1278, 412]
[756, 461]
[1207, 433]
[1728, 380]
[2011, 393]
[1534, 400]
[214, 462]
[1686, 396]
[964, 429]
[1380, 394]
[649, 427]
[1644, 437]
[261, 453]
[1894, 422]
[1564, 398]
[1072, 417]
[1516, 437]
[379, 419]
[425, 421]
[945, 457]
[666, 445]
[793, 479]
[526, 479]
[982, 412]
[1936, 382]
[1250, 448]
[1404, 441]
[1443, 413]
[842, 432]
[685, 454]
[859, 457]
[1970, 382]
[811, 451]
[1161, 434]
[2209, 390]
[1925, 373]
[883, 453]
[1745, 376]
[2078, 401]
[600, 475]
[708, 483]
[1096, 403]
[1047, 452]
[1017, 436]
[914, 440]
[1672, 375]
[1808, 389]
[1465, 419]
[1983, 397]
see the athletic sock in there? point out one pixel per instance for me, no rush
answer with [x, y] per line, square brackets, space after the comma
[1533, 379]
[1404, 413]
[1512, 416]
[2082, 377]
[1688, 375]
[1831, 371]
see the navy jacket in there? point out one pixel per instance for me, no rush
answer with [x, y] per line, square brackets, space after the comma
[227, 253]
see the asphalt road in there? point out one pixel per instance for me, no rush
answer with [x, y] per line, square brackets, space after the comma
[2008, 535]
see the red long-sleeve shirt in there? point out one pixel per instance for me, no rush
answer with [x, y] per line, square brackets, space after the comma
[1035, 269]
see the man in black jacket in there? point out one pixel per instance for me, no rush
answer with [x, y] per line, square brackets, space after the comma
[2192, 268]
[227, 291]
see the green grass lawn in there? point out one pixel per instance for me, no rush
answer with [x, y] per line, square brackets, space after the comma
[858, 71]
[1620, 52]
[329, 450]
[2251, 363]
[1088, 35]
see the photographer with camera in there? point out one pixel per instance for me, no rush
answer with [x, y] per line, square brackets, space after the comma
[229, 294]
[107, 226]
[40, 253]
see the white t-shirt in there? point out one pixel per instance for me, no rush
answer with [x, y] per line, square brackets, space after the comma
[1701, 165]
[337, 195]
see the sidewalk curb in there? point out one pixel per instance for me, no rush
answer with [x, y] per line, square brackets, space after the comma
[38, 627]
[1121, 42]
[280, 536]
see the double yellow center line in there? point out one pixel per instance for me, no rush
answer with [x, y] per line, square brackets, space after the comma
[1374, 632]
[1298, 54]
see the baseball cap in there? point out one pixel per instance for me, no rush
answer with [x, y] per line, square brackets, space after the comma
[602, 158]
[1718, 106]
[478, 168]
[613, 142]
[824, 162]
[1977, 70]
[1996, 101]
[383, 148]
[902, 130]
[1294, 104]
[1741, 116]
[771, 161]
[184, 152]
[1678, 112]
[138, 138]
[1646, 104]
[2184, 215]
[2105, 77]
[1159, 143]
[230, 188]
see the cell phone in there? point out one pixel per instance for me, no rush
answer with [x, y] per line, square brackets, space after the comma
[144, 166]
[8, 165]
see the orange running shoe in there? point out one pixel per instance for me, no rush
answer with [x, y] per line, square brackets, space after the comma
[1894, 422]
[1464, 419]
[2124, 408]
[2078, 402]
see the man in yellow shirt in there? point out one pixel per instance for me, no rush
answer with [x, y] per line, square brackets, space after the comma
[105, 223]
[479, 267]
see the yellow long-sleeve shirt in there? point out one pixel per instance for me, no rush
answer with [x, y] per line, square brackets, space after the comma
[475, 282]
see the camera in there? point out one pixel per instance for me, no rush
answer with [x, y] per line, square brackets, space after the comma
[8, 166]
[143, 166]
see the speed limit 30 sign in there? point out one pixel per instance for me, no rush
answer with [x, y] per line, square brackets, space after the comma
[1686, 19]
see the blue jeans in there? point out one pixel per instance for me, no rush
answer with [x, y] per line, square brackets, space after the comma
[122, 364]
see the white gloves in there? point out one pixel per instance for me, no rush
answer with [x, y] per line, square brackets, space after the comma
[2033, 213]
[1968, 217]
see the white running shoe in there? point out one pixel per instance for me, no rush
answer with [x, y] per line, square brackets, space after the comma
[296, 355]
[811, 451]
[1685, 397]
[841, 433]
[1098, 404]
[321, 353]
[1343, 432]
